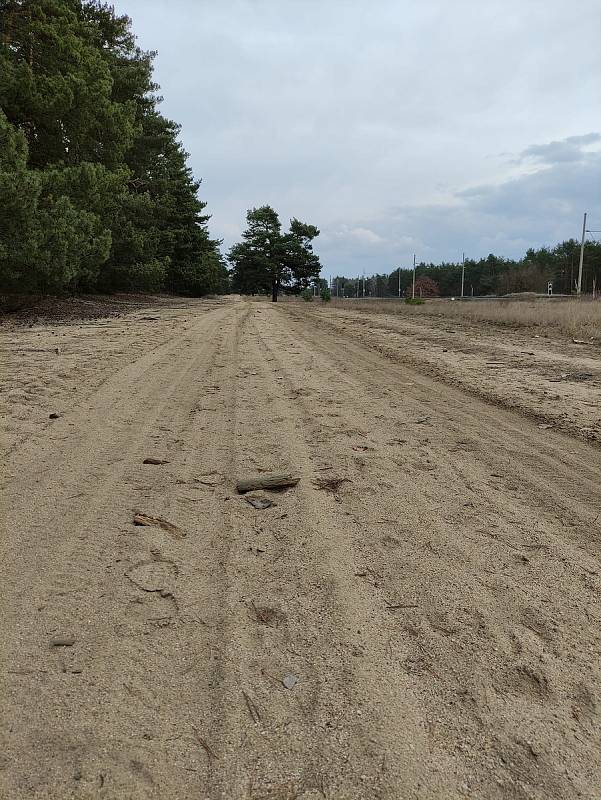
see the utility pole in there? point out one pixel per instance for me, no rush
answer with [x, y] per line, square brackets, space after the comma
[579, 286]
[413, 290]
[399, 281]
[462, 273]
[363, 283]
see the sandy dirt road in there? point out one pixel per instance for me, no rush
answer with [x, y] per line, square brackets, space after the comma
[429, 591]
[539, 372]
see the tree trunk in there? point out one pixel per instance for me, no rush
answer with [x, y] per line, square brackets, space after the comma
[274, 291]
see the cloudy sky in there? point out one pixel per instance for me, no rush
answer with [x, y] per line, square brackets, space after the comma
[395, 126]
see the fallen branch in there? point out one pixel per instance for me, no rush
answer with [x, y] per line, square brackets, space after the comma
[270, 480]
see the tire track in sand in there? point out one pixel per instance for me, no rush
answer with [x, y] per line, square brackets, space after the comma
[107, 717]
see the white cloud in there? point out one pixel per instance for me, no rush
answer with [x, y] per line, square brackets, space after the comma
[533, 209]
[361, 235]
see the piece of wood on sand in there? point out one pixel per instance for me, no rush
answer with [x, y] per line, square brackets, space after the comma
[267, 480]
[169, 527]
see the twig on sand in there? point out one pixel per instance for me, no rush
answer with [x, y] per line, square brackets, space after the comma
[205, 746]
[169, 527]
[252, 708]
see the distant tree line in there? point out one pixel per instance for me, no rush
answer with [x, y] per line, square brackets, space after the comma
[95, 189]
[488, 276]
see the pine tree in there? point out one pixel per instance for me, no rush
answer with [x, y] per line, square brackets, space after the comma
[267, 260]
[96, 188]
[19, 194]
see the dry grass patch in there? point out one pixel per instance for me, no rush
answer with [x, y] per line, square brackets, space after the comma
[576, 318]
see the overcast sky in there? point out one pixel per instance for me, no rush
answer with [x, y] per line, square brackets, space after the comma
[395, 126]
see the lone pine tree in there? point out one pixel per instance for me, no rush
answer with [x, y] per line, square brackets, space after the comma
[267, 260]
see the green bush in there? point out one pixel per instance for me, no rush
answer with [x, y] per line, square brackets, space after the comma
[307, 295]
[414, 301]
[325, 295]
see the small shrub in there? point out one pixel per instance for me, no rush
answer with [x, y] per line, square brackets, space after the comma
[415, 301]
[325, 295]
[307, 295]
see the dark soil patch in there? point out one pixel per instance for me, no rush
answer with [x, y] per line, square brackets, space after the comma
[34, 310]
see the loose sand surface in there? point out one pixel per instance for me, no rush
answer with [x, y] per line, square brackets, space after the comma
[418, 618]
[549, 376]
